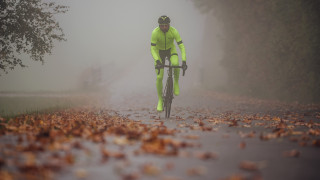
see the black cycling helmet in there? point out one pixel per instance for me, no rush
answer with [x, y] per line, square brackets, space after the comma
[164, 20]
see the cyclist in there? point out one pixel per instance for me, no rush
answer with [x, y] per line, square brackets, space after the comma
[162, 46]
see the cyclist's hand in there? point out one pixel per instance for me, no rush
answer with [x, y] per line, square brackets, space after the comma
[158, 65]
[184, 65]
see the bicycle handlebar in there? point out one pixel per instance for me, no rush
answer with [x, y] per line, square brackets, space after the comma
[172, 66]
[169, 66]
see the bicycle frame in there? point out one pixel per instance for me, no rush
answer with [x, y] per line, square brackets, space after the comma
[167, 94]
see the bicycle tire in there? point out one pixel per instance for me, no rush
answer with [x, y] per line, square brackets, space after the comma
[164, 98]
[168, 109]
[169, 97]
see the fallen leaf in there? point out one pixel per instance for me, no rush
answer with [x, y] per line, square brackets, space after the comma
[242, 145]
[247, 135]
[226, 136]
[69, 158]
[81, 173]
[206, 155]
[206, 128]
[233, 123]
[197, 171]
[150, 169]
[249, 165]
[193, 137]
[281, 125]
[316, 143]
[170, 178]
[131, 176]
[120, 141]
[107, 154]
[291, 153]
[235, 177]
[5, 175]
[314, 132]
[184, 154]
[303, 143]
[169, 166]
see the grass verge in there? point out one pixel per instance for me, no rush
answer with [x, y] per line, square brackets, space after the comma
[14, 105]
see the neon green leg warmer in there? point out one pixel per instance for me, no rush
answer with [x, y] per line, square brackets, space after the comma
[176, 89]
[159, 89]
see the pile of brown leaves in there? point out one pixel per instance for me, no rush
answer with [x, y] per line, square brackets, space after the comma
[36, 146]
[39, 145]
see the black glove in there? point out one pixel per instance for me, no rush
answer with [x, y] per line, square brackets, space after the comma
[158, 65]
[184, 65]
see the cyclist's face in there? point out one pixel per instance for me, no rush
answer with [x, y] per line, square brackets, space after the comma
[164, 27]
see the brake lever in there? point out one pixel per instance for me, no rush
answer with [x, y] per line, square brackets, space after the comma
[158, 68]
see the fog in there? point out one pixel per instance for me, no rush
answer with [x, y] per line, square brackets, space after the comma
[114, 36]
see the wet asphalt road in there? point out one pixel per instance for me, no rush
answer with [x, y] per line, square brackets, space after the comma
[228, 143]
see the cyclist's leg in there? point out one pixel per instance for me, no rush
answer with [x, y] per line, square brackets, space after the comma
[175, 62]
[159, 86]
[159, 89]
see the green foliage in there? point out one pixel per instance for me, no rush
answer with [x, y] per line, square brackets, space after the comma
[272, 47]
[28, 27]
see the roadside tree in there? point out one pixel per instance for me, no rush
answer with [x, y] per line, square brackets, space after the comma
[27, 27]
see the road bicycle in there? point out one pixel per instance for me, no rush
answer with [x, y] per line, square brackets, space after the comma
[167, 94]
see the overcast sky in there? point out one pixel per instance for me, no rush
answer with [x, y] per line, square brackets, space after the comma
[108, 33]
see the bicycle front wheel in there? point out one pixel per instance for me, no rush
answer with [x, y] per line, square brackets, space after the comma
[168, 97]
[168, 110]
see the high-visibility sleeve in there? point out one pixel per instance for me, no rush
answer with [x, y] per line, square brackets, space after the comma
[183, 52]
[154, 53]
[181, 45]
[153, 48]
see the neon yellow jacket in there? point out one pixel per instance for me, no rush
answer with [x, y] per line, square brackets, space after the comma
[164, 41]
